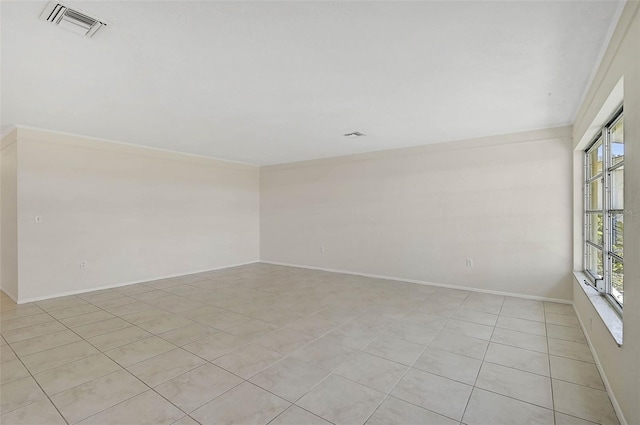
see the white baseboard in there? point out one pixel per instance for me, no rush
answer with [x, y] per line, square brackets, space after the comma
[117, 285]
[424, 282]
[15, 299]
[607, 386]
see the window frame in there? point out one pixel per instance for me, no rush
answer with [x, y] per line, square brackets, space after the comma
[602, 283]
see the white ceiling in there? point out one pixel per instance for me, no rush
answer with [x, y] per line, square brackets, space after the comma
[272, 82]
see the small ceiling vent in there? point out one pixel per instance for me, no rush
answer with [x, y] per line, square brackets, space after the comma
[73, 20]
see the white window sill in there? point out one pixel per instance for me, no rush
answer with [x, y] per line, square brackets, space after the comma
[608, 314]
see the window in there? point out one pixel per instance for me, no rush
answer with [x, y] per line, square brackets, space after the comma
[604, 211]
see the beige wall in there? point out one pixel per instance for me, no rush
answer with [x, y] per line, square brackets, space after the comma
[622, 60]
[130, 213]
[8, 216]
[419, 213]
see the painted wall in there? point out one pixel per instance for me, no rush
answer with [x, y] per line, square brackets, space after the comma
[621, 61]
[8, 215]
[419, 213]
[130, 213]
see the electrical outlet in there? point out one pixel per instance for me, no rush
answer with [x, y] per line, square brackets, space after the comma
[83, 264]
[469, 262]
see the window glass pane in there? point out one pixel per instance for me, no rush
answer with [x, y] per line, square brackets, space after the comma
[617, 188]
[617, 233]
[594, 261]
[617, 278]
[594, 195]
[617, 141]
[594, 228]
[594, 160]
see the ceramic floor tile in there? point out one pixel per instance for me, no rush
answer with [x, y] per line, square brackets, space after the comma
[475, 316]
[144, 315]
[571, 350]
[587, 403]
[216, 345]
[87, 399]
[283, 340]
[147, 408]
[487, 305]
[72, 374]
[473, 330]
[449, 365]
[562, 419]
[12, 370]
[163, 367]
[40, 412]
[297, 416]
[397, 350]
[525, 386]
[460, 344]
[19, 393]
[187, 334]
[413, 332]
[198, 386]
[575, 371]
[566, 333]
[86, 319]
[54, 357]
[562, 319]
[252, 328]
[186, 420]
[433, 392]
[488, 408]
[290, 378]
[115, 339]
[550, 307]
[324, 354]
[520, 340]
[60, 303]
[523, 308]
[20, 312]
[247, 318]
[29, 332]
[246, 404]
[341, 401]
[372, 371]
[100, 328]
[114, 302]
[522, 325]
[24, 321]
[164, 324]
[518, 358]
[248, 360]
[6, 354]
[138, 351]
[394, 411]
[74, 311]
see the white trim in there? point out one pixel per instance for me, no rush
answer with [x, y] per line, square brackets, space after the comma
[117, 285]
[600, 58]
[424, 282]
[607, 386]
[129, 144]
[9, 295]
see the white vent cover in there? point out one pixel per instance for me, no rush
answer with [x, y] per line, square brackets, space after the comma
[73, 20]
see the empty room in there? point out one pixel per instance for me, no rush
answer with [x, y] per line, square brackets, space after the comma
[320, 212]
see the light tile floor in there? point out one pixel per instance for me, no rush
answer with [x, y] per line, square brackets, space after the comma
[265, 344]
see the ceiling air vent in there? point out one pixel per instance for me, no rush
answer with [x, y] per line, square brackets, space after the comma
[355, 134]
[73, 20]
